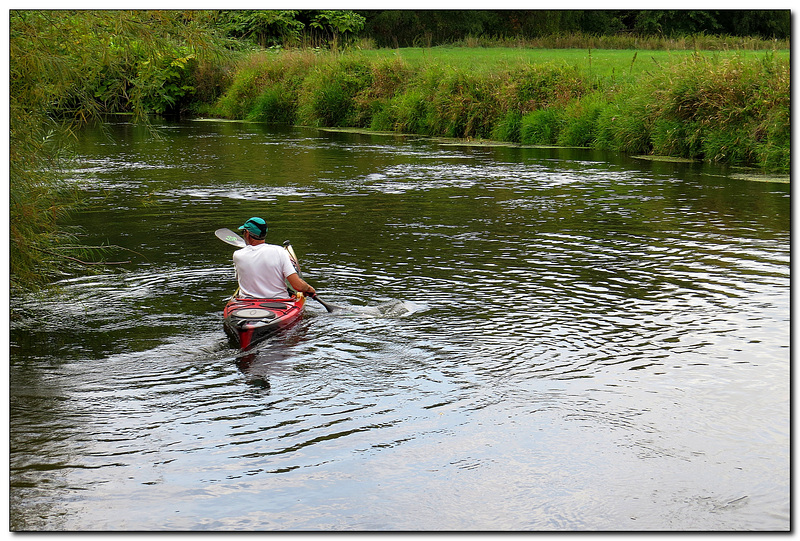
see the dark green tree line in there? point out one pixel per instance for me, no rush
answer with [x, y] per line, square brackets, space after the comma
[405, 28]
[425, 28]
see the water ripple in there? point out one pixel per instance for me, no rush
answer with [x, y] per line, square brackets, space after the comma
[538, 340]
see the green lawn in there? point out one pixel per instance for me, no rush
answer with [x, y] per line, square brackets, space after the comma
[597, 62]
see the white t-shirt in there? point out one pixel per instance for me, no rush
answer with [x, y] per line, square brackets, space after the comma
[261, 271]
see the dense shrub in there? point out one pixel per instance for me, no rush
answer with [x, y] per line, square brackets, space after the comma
[373, 103]
[462, 105]
[672, 137]
[624, 125]
[538, 86]
[239, 98]
[67, 68]
[408, 112]
[723, 110]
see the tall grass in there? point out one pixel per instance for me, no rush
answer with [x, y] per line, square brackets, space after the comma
[731, 109]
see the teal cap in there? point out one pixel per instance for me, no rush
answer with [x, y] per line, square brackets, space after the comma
[256, 226]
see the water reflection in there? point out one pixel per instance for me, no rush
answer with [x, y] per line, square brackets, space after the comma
[270, 354]
[533, 339]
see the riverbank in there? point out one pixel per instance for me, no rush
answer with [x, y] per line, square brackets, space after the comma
[731, 108]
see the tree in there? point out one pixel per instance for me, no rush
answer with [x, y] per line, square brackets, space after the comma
[337, 24]
[270, 27]
[265, 27]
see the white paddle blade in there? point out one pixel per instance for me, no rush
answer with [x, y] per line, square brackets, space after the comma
[228, 236]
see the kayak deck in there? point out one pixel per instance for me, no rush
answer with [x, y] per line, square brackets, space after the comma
[247, 321]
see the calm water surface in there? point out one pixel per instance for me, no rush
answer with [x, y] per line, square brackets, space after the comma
[534, 339]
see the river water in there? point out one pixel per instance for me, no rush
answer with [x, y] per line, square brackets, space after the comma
[533, 339]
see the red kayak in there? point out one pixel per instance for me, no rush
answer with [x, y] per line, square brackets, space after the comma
[248, 321]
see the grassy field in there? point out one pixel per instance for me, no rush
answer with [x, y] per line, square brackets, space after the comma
[601, 63]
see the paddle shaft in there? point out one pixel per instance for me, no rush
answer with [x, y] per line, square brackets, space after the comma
[328, 307]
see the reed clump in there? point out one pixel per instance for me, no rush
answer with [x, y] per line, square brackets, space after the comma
[733, 110]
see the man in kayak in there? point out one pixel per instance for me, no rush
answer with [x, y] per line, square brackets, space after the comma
[263, 269]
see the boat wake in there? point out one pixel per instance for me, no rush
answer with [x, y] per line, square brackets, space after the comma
[391, 309]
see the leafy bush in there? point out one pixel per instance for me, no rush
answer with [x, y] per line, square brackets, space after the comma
[624, 125]
[65, 69]
[774, 140]
[409, 112]
[723, 110]
[672, 137]
[165, 82]
[373, 103]
[542, 85]
[240, 97]
[728, 145]
[461, 104]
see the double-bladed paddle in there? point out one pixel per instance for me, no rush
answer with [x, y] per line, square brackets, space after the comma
[226, 235]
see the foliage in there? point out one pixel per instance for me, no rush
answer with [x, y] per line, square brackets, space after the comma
[375, 103]
[67, 68]
[263, 27]
[580, 120]
[542, 126]
[624, 125]
[729, 107]
[460, 105]
[675, 22]
[165, 81]
[240, 95]
[273, 105]
[337, 24]
[407, 112]
[508, 127]
[271, 27]
[414, 28]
